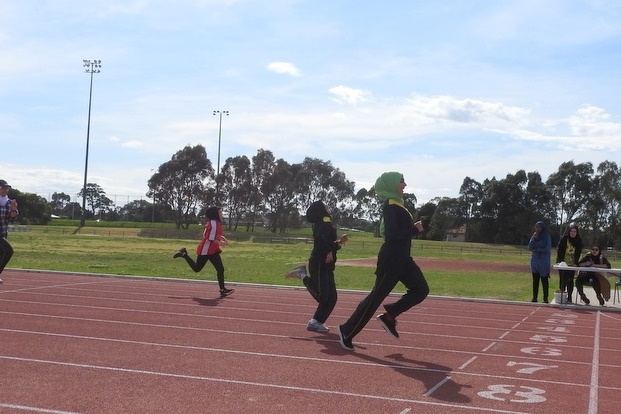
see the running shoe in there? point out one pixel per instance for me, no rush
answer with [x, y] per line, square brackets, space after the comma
[225, 292]
[345, 343]
[389, 323]
[181, 252]
[315, 326]
[297, 273]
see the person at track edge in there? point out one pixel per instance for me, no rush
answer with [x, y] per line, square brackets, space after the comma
[540, 245]
[8, 214]
[569, 251]
[394, 264]
[208, 250]
[321, 264]
[595, 258]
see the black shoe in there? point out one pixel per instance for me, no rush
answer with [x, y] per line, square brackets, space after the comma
[345, 343]
[225, 292]
[585, 300]
[389, 323]
[534, 300]
[181, 252]
[601, 301]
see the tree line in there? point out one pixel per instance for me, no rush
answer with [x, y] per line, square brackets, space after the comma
[270, 193]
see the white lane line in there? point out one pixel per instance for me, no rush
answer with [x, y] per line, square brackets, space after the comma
[35, 409]
[593, 392]
[263, 385]
[438, 385]
[468, 362]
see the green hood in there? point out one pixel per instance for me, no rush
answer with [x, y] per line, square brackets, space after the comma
[386, 186]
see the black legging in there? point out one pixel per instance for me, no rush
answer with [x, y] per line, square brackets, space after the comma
[202, 260]
[545, 282]
[566, 278]
[417, 290]
[584, 278]
[322, 288]
[6, 252]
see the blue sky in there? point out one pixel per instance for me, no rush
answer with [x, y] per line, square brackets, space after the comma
[438, 90]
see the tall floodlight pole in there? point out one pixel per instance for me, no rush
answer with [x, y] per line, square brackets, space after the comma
[92, 67]
[220, 113]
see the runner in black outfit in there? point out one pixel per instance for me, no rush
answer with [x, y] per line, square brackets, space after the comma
[394, 264]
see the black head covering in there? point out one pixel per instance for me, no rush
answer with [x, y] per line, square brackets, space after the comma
[316, 212]
[212, 213]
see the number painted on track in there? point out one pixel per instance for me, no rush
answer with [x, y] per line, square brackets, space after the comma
[537, 350]
[531, 367]
[561, 321]
[560, 329]
[548, 338]
[513, 393]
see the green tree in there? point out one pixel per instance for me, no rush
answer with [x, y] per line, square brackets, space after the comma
[280, 194]
[571, 189]
[444, 217]
[33, 209]
[180, 184]
[96, 199]
[236, 189]
[59, 202]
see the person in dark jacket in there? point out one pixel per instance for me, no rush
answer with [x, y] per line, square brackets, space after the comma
[8, 214]
[540, 245]
[394, 264]
[321, 264]
[594, 259]
[569, 251]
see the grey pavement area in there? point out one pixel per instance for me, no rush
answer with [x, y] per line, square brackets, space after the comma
[590, 294]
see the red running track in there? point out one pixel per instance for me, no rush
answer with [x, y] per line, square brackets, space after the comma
[91, 344]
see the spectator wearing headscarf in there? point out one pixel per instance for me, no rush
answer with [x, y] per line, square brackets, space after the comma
[540, 245]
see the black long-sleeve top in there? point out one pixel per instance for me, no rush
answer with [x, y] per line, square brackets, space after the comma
[398, 233]
[324, 242]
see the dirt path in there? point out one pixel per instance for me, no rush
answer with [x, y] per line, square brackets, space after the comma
[447, 264]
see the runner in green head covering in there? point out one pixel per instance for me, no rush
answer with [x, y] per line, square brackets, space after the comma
[386, 186]
[394, 264]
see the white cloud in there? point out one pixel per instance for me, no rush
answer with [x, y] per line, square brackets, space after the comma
[352, 96]
[284, 68]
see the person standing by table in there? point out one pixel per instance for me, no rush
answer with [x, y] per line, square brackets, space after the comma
[8, 214]
[569, 251]
[594, 259]
[394, 264]
[540, 245]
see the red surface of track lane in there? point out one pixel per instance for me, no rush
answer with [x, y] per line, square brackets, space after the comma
[90, 344]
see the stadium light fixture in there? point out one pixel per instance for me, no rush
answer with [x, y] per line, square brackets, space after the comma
[220, 113]
[92, 67]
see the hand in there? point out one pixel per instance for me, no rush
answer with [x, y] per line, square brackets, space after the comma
[344, 239]
[13, 205]
[329, 258]
[419, 225]
[223, 241]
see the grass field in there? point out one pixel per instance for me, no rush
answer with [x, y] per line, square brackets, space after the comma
[260, 260]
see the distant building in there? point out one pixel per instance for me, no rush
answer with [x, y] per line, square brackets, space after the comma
[456, 235]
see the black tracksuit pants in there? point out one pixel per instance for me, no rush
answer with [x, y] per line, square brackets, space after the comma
[417, 290]
[320, 283]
